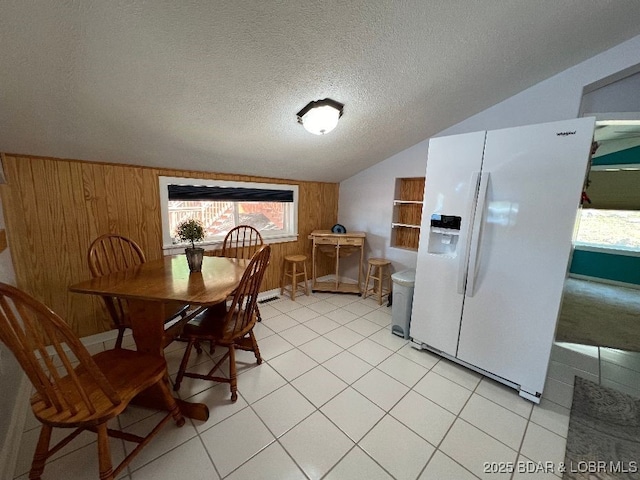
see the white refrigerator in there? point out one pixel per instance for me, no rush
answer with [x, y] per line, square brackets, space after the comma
[496, 237]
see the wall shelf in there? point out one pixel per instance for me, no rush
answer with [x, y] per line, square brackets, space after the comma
[407, 213]
[404, 225]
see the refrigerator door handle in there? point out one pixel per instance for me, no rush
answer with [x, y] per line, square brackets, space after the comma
[476, 234]
[464, 258]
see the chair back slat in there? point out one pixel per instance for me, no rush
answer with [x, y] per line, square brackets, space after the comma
[34, 334]
[242, 241]
[70, 371]
[241, 316]
[113, 253]
[36, 345]
[13, 336]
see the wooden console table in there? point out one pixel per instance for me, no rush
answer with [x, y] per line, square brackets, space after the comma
[337, 245]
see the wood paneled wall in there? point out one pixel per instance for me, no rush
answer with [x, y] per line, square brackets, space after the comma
[54, 208]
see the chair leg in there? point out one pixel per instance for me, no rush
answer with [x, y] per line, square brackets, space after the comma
[41, 454]
[256, 349]
[389, 286]
[171, 402]
[183, 364]
[284, 277]
[306, 280]
[366, 283]
[104, 453]
[120, 337]
[233, 374]
[258, 313]
[294, 283]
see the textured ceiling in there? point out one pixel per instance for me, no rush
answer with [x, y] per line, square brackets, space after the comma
[215, 85]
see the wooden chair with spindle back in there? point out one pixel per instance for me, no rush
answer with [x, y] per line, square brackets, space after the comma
[114, 253]
[242, 241]
[84, 397]
[231, 328]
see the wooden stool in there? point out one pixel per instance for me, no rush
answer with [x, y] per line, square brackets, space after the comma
[291, 270]
[381, 267]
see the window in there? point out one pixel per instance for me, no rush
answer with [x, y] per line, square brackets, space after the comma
[614, 229]
[610, 216]
[223, 205]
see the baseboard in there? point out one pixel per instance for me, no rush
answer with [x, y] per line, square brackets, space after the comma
[108, 336]
[11, 444]
[605, 281]
[274, 294]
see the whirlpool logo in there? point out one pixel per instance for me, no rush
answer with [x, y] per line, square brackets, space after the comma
[565, 134]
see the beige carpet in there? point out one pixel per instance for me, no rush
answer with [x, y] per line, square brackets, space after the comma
[600, 314]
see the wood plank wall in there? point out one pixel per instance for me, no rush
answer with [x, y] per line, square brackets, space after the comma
[54, 208]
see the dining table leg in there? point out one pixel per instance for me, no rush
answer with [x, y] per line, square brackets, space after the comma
[148, 332]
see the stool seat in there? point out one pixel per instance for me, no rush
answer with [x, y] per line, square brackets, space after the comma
[295, 258]
[378, 262]
[290, 270]
[378, 270]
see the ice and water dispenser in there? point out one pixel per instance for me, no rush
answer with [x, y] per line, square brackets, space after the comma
[444, 234]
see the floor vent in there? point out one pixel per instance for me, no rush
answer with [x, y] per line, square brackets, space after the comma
[270, 299]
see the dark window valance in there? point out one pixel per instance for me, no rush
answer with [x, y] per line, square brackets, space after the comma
[235, 194]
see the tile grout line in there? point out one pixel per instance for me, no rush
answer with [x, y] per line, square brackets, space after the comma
[450, 427]
[317, 408]
[349, 384]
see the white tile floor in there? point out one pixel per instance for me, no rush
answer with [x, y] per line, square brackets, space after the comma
[339, 397]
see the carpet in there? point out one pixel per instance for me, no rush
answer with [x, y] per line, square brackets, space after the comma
[600, 314]
[604, 434]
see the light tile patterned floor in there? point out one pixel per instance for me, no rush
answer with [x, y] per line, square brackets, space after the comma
[339, 397]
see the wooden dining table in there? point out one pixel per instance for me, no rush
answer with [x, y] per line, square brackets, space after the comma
[152, 289]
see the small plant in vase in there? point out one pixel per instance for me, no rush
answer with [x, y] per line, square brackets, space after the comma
[191, 230]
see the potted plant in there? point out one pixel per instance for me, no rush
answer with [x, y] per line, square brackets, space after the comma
[191, 230]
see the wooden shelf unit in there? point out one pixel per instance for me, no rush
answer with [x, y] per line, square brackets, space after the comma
[336, 246]
[407, 213]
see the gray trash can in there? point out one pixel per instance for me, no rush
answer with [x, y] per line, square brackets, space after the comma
[403, 286]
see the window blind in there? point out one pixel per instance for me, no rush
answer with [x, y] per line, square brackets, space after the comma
[235, 194]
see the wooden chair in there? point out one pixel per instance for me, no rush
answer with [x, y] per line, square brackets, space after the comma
[113, 253]
[84, 397]
[232, 328]
[242, 241]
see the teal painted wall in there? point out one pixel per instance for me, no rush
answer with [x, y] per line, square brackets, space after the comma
[622, 157]
[610, 266]
[621, 268]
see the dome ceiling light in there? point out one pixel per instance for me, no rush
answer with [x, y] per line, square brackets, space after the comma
[321, 116]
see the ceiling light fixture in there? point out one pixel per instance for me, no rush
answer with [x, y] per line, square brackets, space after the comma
[321, 116]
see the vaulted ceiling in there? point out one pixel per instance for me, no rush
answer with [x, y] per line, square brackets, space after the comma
[215, 85]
